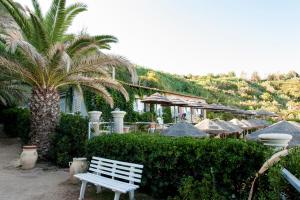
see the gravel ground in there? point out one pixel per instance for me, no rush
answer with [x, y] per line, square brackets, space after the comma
[45, 182]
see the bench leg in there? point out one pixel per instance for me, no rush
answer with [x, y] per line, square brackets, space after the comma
[117, 195]
[98, 188]
[131, 195]
[82, 190]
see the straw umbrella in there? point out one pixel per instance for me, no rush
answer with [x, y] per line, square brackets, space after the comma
[231, 128]
[182, 129]
[264, 113]
[177, 102]
[157, 98]
[195, 104]
[210, 127]
[250, 124]
[241, 124]
[282, 127]
[260, 123]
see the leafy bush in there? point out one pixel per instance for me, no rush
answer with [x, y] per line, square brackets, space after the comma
[272, 184]
[168, 160]
[16, 123]
[167, 115]
[69, 140]
[192, 189]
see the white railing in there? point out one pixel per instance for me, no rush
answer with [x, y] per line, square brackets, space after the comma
[107, 127]
[291, 179]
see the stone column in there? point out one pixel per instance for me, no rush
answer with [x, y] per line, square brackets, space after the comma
[118, 117]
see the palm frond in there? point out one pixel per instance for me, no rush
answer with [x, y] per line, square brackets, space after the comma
[106, 82]
[71, 12]
[17, 71]
[37, 9]
[55, 20]
[39, 34]
[85, 42]
[101, 91]
[14, 41]
[120, 61]
[19, 16]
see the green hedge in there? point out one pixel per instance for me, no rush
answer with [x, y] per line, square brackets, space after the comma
[272, 184]
[69, 139]
[16, 123]
[167, 161]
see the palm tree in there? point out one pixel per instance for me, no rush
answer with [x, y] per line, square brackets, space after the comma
[12, 92]
[44, 57]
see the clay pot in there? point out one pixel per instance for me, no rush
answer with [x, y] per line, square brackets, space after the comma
[28, 157]
[79, 165]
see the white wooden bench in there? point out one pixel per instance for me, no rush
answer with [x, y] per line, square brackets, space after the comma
[120, 177]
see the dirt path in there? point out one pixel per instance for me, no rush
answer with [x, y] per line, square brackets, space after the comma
[42, 183]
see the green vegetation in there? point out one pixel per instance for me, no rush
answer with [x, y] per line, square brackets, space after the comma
[272, 184]
[43, 56]
[279, 93]
[16, 123]
[227, 165]
[69, 139]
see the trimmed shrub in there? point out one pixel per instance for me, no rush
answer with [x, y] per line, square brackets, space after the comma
[168, 160]
[16, 123]
[272, 184]
[69, 140]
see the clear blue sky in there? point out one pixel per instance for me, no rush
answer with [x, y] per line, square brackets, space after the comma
[199, 36]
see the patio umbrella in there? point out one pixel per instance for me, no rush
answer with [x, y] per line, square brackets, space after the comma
[250, 124]
[259, 123]
[231, 128]
[182, 129]
[264, 113]
[282, 127]
[179, 103]
[210, 127]
[242, 112]
[239, 123]
[195, 104]
[157, 98]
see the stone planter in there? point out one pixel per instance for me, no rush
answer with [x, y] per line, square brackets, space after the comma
[79, 165]
[275, 139]
[118, 117]
[94, 117]
[28, 157]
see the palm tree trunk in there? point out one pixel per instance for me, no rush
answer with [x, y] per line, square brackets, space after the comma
[44, 107]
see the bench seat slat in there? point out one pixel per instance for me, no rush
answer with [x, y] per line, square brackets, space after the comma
[110, 165]
[117, 171]
[119, 162]
[107, 182]
[115, 175]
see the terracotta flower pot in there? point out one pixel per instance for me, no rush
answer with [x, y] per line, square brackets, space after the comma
[28, 157]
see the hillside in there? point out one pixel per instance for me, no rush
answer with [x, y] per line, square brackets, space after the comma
[280, 93]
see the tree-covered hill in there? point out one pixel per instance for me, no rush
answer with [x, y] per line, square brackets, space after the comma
[278, 93]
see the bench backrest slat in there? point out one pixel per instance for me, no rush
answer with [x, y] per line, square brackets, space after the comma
[123, 171]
